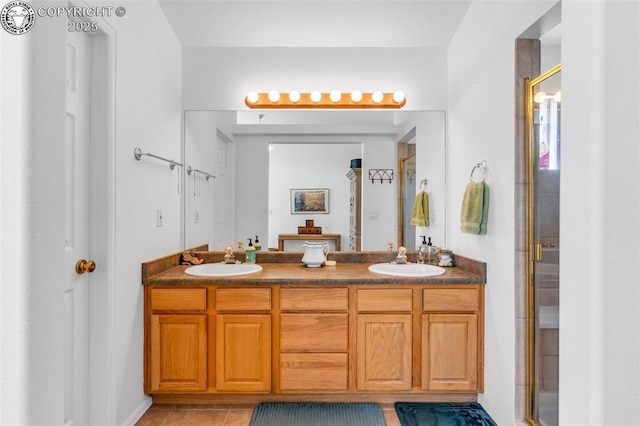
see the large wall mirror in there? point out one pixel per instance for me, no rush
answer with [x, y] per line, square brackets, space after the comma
[241, 168]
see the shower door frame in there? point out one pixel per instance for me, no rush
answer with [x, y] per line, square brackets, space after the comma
[533, 249]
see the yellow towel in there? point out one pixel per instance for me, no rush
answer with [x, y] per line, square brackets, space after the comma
[420, 213]
[475, 209]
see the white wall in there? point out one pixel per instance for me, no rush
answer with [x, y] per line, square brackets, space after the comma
[481, 127]
[32, 224]
[600, 207]
[148, 115]
[200, 135]
[309, 166]
[147, 103]
[220, 78]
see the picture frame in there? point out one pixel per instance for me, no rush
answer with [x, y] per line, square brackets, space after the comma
[309, 200]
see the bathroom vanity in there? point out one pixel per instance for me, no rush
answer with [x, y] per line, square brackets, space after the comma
[336, 333]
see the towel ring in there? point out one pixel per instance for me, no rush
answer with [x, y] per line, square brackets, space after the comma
[483, 168]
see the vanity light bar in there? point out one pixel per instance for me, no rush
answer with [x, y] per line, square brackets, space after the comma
[334, 99]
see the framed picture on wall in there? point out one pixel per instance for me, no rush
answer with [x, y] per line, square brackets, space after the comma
[305, 201]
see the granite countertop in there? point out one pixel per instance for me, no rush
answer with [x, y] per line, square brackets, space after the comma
[289, 272]
[286, 268]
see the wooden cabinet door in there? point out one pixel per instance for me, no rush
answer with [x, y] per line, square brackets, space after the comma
[178, 356]
[450, 352]
[243, 348]
[383, 352]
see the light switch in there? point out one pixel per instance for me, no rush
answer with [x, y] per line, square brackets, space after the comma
[196, 217]
[159, 217]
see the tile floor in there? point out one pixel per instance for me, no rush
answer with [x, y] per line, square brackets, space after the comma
[219, 415]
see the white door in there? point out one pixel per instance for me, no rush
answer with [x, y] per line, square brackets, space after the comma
[76, 289]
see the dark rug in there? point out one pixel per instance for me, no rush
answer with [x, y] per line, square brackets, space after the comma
[442, 414]
[316, 414]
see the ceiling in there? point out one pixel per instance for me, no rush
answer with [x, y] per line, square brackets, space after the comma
[314, 23]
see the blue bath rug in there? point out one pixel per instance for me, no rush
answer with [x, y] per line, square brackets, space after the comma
[316, 414]
[442, 414]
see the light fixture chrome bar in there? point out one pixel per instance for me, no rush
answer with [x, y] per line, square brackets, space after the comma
[205, 174]
[137, 153]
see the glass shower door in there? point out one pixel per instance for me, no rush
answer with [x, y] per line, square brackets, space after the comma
[544, 122]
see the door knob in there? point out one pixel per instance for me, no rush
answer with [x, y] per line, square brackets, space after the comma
[83, 266]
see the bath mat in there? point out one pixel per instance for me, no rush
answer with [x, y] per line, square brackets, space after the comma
[442, 414]
[316, 414]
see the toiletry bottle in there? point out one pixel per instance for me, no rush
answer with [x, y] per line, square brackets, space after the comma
[432, 253]
[250, 253]
[422, 250]
[257, 244]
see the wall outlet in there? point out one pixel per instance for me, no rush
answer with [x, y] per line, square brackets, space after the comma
[159, 217]
[196, 216]
[374, 214]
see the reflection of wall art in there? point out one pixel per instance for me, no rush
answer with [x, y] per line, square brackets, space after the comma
[305, 201]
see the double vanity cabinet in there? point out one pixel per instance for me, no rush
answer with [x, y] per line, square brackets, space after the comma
[291, 332]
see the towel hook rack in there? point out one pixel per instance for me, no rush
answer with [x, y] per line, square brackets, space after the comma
[137, 153]
[483, 168]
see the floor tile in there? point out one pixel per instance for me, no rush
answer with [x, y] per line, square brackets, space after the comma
[390, 417]
[153, 418]
[239, 417]
[196, 417]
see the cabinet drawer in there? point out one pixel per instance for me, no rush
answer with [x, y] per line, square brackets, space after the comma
[182, 299]
[243, 299]
[454, 300]
[313, 371]
[314, 299]
[314, 332]
[380, 300]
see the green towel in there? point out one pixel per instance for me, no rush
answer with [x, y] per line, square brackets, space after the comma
[475, 209]
[420, 213]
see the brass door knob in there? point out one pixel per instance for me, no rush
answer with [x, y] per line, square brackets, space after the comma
[83, 266]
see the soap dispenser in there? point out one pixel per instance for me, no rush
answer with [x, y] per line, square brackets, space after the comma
[257, 244]
[427, 253]
[422, 250]
[250, 253]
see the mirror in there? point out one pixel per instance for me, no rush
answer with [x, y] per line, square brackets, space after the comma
[237, 205]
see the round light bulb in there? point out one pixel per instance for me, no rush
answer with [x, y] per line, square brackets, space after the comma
[558, 96]
[274, 96]
[294, 96]
[377, 97]
[253, 97]
[316, 96]
[539, 97]
[335, 96]
[356, 96]
[398, 96]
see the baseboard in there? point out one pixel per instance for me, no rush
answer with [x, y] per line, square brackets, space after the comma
[138, 412]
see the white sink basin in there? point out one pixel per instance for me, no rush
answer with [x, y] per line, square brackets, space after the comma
[406, 270]
[222, 270]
